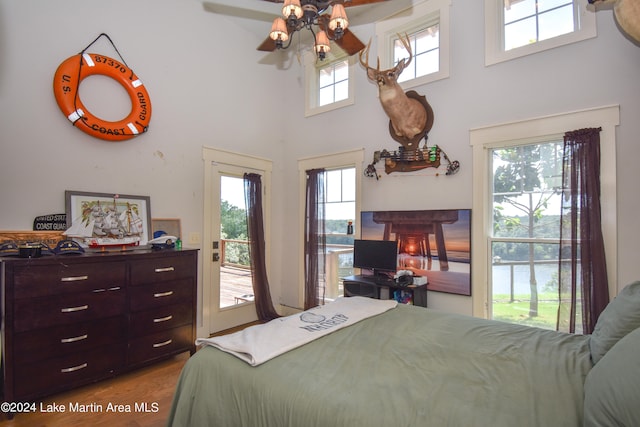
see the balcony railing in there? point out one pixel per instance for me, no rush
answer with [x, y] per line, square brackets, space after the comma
[335, 269]
[238, 261]
[334, 263]
[545, 270]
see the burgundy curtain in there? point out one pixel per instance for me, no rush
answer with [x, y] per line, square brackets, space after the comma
[314, 239]
[255, 227]
[582, 274]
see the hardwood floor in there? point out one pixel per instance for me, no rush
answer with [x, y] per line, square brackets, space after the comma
[153, 385]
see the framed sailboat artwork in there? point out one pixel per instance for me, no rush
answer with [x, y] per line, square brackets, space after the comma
[102, 220]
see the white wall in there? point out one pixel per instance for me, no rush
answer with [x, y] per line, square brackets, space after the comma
[592, 73]
[210, 90]
[204, 90]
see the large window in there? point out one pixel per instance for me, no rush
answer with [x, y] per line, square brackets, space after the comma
[525, 233]
[517, 28]
[340, 213]
[343, 176]
[427, 25]
[515, 229]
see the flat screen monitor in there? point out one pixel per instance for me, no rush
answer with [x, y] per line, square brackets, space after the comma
[376, 255]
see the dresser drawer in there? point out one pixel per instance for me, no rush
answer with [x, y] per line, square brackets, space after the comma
[159, 319]
[37, 313]
[159, 344]
[62, 340]
[162, 269]
[68, 371]
[160, 294]
[68, 321]
[51, 279]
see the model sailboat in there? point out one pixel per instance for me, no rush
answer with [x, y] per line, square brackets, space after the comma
[100, 226]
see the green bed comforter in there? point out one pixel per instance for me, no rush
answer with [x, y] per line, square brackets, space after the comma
[410, 366]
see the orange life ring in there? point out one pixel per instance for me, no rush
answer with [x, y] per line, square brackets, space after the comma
[66, 83]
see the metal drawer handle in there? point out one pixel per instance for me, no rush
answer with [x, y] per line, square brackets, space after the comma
[115, 288]
[162, 344]
[74, 278]
[73, 368]
[162, 319]
[163, 294]
[74, 339]
[164, 270]
[72, 309]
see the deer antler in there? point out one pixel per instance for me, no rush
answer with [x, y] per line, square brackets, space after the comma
[406, 42]
[366, 52]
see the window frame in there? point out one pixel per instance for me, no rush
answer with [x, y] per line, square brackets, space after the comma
[525, 240]
[312, 81]
[410, 21]
[494, 33]
[353, 158]
[528, 132]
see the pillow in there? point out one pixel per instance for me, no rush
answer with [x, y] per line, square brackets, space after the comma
[612, 387]
[620, 316]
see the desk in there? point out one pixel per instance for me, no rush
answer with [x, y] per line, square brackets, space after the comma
[382, 288]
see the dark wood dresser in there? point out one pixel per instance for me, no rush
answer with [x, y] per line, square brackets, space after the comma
[69, 320]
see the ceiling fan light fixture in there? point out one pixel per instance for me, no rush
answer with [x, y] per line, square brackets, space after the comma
[338, 21]
[322, 44]
[279, 30]
[292, 7]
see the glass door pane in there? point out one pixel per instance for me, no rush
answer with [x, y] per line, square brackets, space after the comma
[235, 269]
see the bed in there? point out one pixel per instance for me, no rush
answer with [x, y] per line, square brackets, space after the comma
[414, 366]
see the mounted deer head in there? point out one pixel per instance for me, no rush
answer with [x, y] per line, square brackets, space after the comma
[627, 15]
[408, 116]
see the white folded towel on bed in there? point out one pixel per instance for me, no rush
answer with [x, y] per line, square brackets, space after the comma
[260, 343]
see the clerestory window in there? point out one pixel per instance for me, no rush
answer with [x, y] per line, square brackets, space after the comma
[333, 82]
[516, 28]
[427, 26]
[327, 82]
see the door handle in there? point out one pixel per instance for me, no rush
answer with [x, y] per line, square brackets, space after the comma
[216, 257]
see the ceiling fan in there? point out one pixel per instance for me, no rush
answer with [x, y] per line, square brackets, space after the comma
[316, 16]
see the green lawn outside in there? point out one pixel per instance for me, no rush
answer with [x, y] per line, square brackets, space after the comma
[518, 311]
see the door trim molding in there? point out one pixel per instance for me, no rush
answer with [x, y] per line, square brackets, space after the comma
[213, 157]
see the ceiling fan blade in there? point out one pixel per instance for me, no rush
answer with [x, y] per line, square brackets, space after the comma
[350, 43]
[268, 45]
[241, 9]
